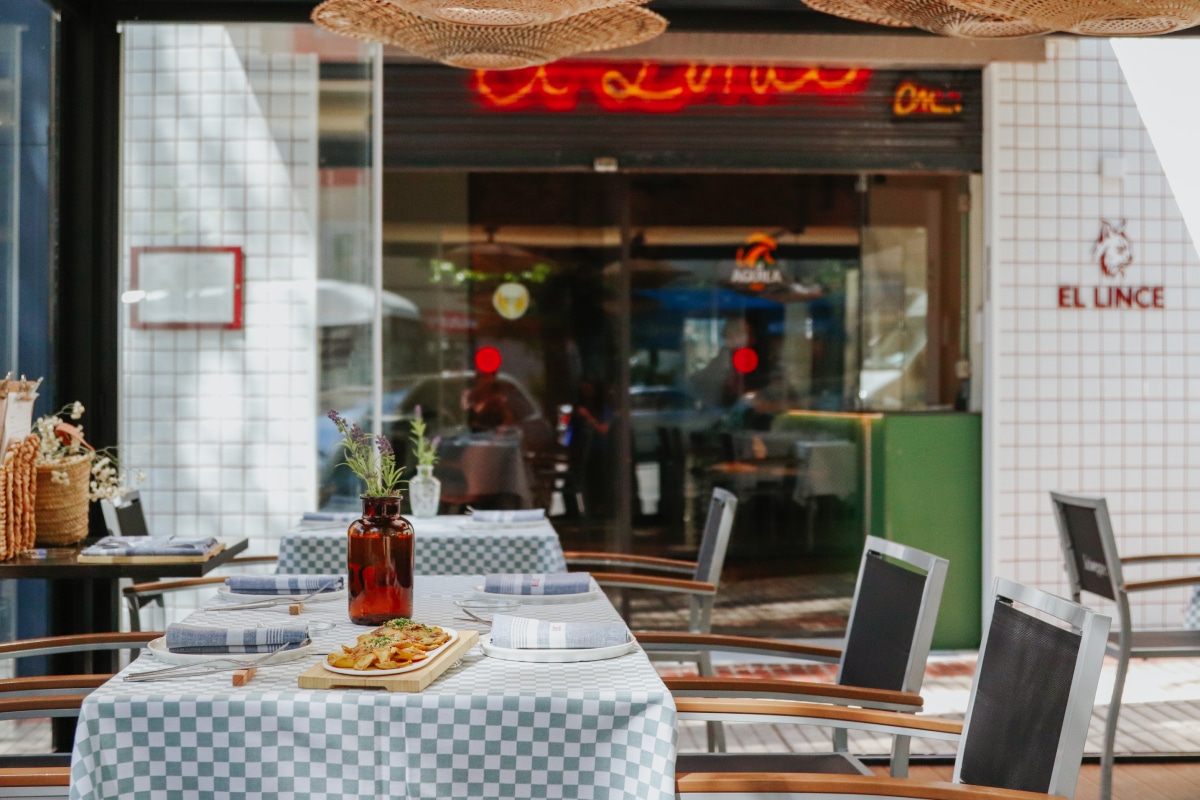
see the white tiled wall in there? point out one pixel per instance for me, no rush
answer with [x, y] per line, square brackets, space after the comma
[1098, 401]
[220, 148]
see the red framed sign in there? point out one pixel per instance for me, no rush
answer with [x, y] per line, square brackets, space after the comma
[185, 287]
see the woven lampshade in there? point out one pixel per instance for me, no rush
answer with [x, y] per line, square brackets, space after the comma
[1096, 17]
[931, 15]
[506, 12]
[489, 47]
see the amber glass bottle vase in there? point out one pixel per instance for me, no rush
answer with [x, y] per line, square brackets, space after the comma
[380, 561]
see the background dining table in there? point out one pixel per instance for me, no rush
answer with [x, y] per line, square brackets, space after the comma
[446, 545]
[485, 729]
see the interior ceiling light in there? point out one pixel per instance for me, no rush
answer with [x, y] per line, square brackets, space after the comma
[1097, 17]
[489, 46]
[934, 16]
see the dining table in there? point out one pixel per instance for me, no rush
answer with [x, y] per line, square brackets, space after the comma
[486, 728]
[445, 545]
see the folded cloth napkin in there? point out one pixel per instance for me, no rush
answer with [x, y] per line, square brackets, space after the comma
[524, 515]
[524, 583]
[284, 584]
[330, 516]
[539, 634]
[200, 640]
[150, 546]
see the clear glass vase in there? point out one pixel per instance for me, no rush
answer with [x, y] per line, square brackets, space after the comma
[424, 492]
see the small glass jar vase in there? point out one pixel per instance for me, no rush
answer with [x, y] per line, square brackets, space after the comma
[424, 492]
[380, 563]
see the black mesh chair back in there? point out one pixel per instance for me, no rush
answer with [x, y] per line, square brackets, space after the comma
[1031, 700]
[1084, 526]
[713, 544]
[892, 620]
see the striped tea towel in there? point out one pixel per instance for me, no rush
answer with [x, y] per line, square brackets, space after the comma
[199, 640]
[284, 584]
[150, 546]
[523, 583]
[539, 634]
[525, 515]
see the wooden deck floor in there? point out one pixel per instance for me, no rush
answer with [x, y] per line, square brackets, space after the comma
[1130, 781]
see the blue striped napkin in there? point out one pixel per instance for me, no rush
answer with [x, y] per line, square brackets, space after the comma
[284, 584]
[538, 584]
[522, 633]
[150, 546]
[524, 515]
[200, 640]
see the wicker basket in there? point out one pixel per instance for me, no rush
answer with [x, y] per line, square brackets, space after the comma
[1096, 17]
[505, 13]
[494, 47]
[61, 509]
[931, 15]
[860, 11]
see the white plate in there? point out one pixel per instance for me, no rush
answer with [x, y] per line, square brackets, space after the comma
[376, 673]
[544, 599]
[159, 648]
[323, 597]
[554, 656]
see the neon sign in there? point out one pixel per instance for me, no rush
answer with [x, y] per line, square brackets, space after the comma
[914, 100]
[755, 261]
[649, 87]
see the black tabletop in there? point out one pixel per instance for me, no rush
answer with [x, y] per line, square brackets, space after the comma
[62, 563]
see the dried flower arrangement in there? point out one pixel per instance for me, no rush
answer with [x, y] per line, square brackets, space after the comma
[61, 444]
[424, 449]
[371, 458]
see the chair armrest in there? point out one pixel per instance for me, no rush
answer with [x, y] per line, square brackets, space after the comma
[622, 580]
[1166, 583]
[35, 776]
[720, 709]
[165, 587]
[252, 560]
[810, 691]
[656, 642]
[77, 643]
[756, 783]
[623, 560]
[40, 706]
[49, 684]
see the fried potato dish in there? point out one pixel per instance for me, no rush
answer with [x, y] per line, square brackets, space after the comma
[395, 644]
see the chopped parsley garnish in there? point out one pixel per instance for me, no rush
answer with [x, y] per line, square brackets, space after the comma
[379, 641]
[400, 623]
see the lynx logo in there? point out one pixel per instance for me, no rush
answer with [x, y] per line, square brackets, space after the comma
[1113, 249]
[754, 262]
[1095, 567]
[1114, 253]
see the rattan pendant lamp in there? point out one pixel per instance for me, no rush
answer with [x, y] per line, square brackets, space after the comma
[506, 12]
[1097, 17]
[932, 15]
[489, 46]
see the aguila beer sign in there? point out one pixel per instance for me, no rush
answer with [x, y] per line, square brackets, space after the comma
[756, 267]
[649, 87]
[1113, 253]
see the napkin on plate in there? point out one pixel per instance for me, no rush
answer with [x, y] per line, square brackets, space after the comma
[150, 546]
[201, 640]
[524, 583]
[284, 584]
[525, 515]
[519, 633]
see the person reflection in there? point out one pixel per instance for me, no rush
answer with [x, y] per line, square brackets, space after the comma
[718, 383]
[487, 404]
[590, 456]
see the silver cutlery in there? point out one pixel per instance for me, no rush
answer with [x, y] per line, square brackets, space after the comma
[208, 668]
[270, 602]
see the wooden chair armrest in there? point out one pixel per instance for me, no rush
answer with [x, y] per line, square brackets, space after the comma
[622, 559]
[812, 691]
[755, 783]
[78, 642]
[1166, 583]
[654, 641]
[623, 580]
[163, 587]
[35, 776]
[1161, 557]
[49, 683]
[43, 702]
[794, 711]
[253, 560]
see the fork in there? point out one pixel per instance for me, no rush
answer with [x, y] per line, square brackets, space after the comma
[271, 602]
[182, 670]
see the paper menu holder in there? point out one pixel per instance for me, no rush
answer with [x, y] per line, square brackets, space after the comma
[16, 409]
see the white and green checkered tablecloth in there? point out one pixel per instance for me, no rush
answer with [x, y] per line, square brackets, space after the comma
[485, 729]
[446, 545]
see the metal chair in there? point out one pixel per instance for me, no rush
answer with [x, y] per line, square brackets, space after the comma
[51, 696]
[882, 665]
[1024, 731]
[1093, 565]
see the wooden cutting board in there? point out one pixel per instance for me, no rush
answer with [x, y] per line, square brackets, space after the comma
[317, 677]
[200, 559]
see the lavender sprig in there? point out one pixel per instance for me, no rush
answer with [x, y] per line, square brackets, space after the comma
[372, 459]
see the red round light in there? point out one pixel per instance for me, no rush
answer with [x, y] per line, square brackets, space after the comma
[487, 359]
[745, 360]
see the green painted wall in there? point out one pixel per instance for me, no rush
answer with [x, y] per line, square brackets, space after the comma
[928, 492]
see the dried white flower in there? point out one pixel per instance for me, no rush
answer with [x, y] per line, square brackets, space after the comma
[76, 410]
[60, 477]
